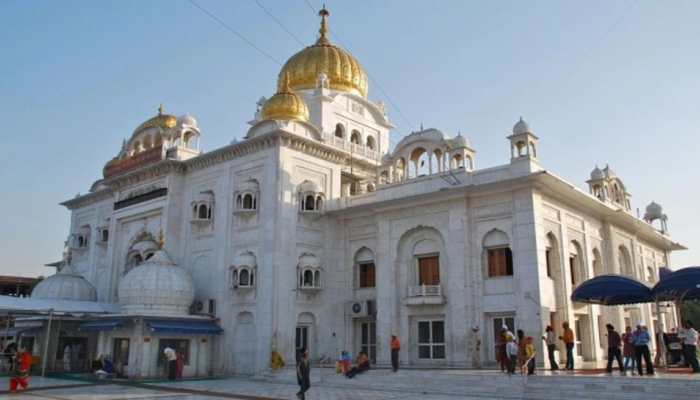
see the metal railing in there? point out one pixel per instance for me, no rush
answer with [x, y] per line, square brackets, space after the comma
[424, 290]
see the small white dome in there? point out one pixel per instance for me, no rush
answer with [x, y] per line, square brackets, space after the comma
[66, 284]
[246, 259]
[459, 141]
[521, 127]
[609, 172]
[309, 260]
[597, 174]
[308, 186]
[158, 286]
[187, 120]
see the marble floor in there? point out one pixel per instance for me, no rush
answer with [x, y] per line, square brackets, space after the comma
[375, 385]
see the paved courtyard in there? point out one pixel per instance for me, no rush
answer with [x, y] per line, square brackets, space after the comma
[374, 385]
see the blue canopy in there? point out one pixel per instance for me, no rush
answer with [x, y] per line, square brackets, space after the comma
[612, 290]
[683, 284]
[184, 326]
[101, 325]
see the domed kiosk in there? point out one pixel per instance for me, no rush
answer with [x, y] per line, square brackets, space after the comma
[157, 286]
[67, 284]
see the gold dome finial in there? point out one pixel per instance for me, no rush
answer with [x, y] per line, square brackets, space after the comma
[324, 26]
[160, 109]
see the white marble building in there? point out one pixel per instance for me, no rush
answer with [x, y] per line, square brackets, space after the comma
[313, 231]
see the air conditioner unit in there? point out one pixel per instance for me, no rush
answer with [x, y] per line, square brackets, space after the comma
[203, 307]
[361, 309]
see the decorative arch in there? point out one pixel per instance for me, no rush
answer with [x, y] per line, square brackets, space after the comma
[364, 269]
[355, 137]
[421, 161]
[422, 258]
[576, 264]
[624, 258]
[497, 254]
[339, 131]
[598, 268]
[371, 144]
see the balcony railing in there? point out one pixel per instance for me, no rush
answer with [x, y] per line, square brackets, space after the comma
[425, 294]
[355, 149]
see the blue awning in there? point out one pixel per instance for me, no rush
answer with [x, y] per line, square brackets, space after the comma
[101, 325]
[612, 290]
[187, 327]
[683, 284]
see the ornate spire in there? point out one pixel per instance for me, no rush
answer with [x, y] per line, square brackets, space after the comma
[324, 26]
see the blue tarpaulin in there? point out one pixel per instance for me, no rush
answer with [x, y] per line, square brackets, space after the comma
[683, 284]
[189, 327]
[101, 325]
[611, 290]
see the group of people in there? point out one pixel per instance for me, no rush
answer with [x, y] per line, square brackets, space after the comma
[515, 352]
[343, 365]
[175, 363]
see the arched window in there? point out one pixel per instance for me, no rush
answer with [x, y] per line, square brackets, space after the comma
[364, 269]
[244, 277]
[370, 142]
[521, 148]
[309, 203]
[457, 161]
[307, 278]
[533, 149]
[597, 263]
[650, 274]
[468, 163]
[355, 137]
[203, 212]
[339, 131]
[248, 202]
[577, 270]
[625, 262]
[239, 201]
[370, 187]
[319, 203]
[499, 258]
[421, 163]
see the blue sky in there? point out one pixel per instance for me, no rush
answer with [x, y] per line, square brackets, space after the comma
[599, 81]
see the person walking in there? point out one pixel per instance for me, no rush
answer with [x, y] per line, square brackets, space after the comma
[511, 353]
[568, 339]
[641, 349]
[395, 348]
[171, 359]
[303, 373]
[522, 355]
[20, 373]
[628, 350]
[550, 340]
[614, 342]
[691, 345]
[501, 353]
[529, 355]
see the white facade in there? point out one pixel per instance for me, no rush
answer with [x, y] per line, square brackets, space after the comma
[276, 231]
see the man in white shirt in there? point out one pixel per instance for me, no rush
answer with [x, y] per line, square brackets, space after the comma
[691, 342]
[171, 357]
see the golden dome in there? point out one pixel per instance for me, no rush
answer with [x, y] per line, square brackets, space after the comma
[161, 120]
[343, 71]
[285, 104]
